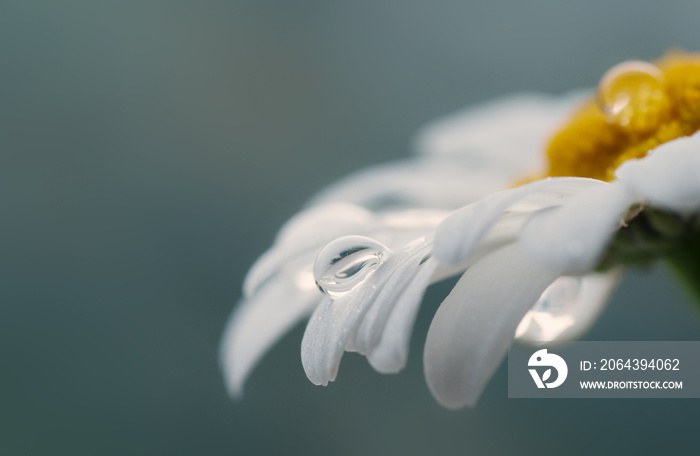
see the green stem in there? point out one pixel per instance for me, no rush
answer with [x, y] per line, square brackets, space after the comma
[684, 262]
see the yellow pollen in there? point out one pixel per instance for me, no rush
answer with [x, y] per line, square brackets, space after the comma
[639, 106]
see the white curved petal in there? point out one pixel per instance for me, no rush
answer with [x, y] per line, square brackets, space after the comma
[300, 240]
[412, 218]
[305, 234]
[509, 133]
[391, 352]
[422, 182]
[476, 323]
[372, 324]
[457, 236]
[333, 323]
[571, 238]
[257, 323]
[315, 221]
[567, 308]
[669, 178]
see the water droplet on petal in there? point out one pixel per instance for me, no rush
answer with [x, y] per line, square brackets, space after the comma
[553, 313]
[560, 295]
[632, 96]
[346, 262]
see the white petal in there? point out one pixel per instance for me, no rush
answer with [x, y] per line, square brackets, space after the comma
[333, 323]
[509, 133]
[458, 235]
[257, 323]
[304, 235]
[370, 329]
[315, 221]
[567, 308]
[571, 238]
[391, 353]
[476, 323]
[300, 240]
[668, 178]
[424, 182]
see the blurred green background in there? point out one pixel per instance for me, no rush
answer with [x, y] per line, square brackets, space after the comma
[149, 152]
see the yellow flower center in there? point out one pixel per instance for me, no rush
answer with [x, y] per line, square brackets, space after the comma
[639, 106]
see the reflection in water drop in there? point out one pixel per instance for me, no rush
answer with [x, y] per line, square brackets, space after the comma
[346, 262]
[553, 313]
[632, 96]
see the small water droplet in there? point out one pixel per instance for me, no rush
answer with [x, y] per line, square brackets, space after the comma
[346, 262]
[632, 96]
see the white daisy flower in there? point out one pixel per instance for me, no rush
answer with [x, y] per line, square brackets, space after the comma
[538, 261]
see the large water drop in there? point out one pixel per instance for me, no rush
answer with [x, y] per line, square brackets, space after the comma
[554, 313]
[632, 96]
[346, 262]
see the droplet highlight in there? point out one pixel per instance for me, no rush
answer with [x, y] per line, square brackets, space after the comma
[632, 95]
[346, 262]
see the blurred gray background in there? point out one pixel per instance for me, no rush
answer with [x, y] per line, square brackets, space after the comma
[149, 152]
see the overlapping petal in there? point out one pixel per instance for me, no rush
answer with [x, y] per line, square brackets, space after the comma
[257, 323]
[458, 235]
[390, 354]
[571, 238]
[335, 321]
[475, 324]
[301, 237]
[669, 178]
[438, 183]
[280, 289]
[508, 134]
